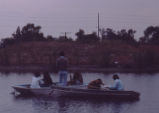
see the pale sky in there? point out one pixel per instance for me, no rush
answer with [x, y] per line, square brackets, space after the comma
[58, 16]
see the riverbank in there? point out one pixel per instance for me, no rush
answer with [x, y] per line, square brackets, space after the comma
[104, 54]
[81, 69]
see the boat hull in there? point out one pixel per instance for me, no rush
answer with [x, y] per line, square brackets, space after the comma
[95, 93]
[77, 91]
[26, 90]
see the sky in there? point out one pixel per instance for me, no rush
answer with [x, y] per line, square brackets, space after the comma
[59, 16]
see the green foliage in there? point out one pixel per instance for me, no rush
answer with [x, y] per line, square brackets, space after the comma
[127, 36]
[151, 35]
[50, 38]
[64, 39]
[30, 32]
[104, 60]
[123, 35]
[108, 34]
[144, 59]
[7, 41]
[80, 35]
[86, 38]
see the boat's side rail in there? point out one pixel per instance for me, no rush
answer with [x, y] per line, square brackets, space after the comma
[95, 91]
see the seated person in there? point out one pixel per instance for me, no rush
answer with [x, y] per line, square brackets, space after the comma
[118, 85]
[35, 80]
[76, 80]
[46, 81]
[95, 84]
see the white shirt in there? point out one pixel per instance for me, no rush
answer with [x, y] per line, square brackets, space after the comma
[35, 82]
[118, 85]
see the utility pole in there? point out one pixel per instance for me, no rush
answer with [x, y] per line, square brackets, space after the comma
[98, 25]
[65, 34]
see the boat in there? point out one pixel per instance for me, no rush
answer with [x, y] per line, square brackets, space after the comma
[76, 91]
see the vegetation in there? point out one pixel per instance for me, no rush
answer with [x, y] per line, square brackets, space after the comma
[123, 35]
[29, 46]
[86, 38]
[151, 35]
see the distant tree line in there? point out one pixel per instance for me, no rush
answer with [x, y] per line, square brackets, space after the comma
[103, 54]
[123, 35]
[86, 38]
[30, 32]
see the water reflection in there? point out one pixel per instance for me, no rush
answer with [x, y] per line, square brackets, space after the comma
[117, 107]
[75, 105]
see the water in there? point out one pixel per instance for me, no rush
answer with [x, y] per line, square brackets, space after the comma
[146, 84]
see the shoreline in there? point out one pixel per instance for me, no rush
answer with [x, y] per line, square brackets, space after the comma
[25, 69]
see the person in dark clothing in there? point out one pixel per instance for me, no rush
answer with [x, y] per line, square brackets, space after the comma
[47, 81]
[61, 65]
[95, 84]
[77, 79]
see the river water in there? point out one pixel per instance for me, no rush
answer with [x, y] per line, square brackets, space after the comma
[146, 84]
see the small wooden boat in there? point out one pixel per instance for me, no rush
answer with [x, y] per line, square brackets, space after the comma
[25, 89]
[77, 91]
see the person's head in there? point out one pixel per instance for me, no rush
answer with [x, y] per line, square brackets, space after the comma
[37, 74]
[115, 77]
[62, 53]
[99, 81]
[46, 75]
[77, 74]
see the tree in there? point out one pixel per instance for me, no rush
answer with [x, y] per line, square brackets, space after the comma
[122, 35]
[80, 35]
[155, 36]
[7, 41]
[17, 34]
[127, 36]
[50, 38]
[148, 33]
[103, 33]
[91, 37]
[31, 33]
[86, 38]
[151, 35]
[111, 34]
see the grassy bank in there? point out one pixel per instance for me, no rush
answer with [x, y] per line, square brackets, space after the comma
[109, 55]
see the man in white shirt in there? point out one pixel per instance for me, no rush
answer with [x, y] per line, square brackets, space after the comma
[118, 85]
[35, 81]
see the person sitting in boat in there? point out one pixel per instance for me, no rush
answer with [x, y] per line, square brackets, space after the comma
[35, 80]
[95, 84]
[118, 85]
[77, 79]
[46, 81]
